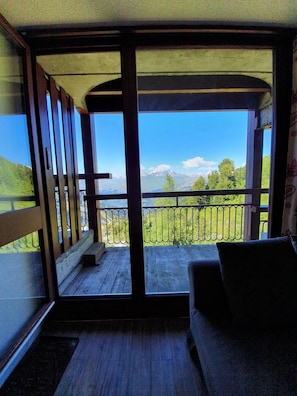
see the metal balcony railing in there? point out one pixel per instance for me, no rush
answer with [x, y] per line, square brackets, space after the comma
[13, 202]
[28, 243]
[169, 220]
[177, 223]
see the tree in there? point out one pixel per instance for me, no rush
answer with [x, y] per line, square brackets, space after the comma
[226, 175]
[168, 186]
[224, 179]
[266, 172]
[15, 180]
[240, 177]
[169, 183]
[213, 179]
[198, 185]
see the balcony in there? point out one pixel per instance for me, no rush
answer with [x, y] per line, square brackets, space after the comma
[173, 233]
[214, 216]
[165, 271]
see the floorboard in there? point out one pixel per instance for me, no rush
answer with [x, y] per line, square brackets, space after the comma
[165, 270]
[129, 357]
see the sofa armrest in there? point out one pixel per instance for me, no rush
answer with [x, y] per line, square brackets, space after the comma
[207, 292]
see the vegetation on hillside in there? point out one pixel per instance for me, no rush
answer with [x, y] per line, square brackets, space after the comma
[15, 181]
[227, 177]
[198, 219]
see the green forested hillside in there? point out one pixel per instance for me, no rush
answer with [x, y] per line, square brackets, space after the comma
[15, 179]
[266, 171]
[227, 177]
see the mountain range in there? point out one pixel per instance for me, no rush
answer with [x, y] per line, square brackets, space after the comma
[150, 182]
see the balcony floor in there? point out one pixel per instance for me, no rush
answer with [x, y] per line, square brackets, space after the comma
[165, 270]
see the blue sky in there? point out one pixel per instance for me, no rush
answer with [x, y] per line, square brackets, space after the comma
[192, 143]
[14, 144]
[183, 142]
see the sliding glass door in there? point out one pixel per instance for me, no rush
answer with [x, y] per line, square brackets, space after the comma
[24, 291]
[102, 184]
[198, 112]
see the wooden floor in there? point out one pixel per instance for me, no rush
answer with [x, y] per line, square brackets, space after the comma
[129, 358]
[165, 270]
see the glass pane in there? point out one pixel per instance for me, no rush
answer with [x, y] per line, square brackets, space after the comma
[109, 129]
[83, 206]
[54, 164]
[79, 143]
[67, 211]
[62, 140]
[51, 130]
[195, 129]
[81, 169]
[22, 290]
[266, 159]
[265, 183]
[16, 181]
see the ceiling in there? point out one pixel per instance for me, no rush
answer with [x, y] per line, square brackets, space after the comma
[79, 73]
[66, 13]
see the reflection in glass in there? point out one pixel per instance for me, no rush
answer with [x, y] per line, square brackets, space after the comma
[62, 141]
[67, 211]
[81, 169]
[79, 142]
[16, 182]
[21, 287]
[51, 130]
[54, 164]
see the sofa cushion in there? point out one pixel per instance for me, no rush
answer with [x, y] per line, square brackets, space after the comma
[238, 361]
[260, 280]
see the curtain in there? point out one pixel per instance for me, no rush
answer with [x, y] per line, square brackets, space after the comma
[289, 225]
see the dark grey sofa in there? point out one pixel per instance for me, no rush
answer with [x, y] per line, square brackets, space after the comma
[245, 354]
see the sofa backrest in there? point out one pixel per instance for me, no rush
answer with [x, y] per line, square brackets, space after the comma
[207, 292]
